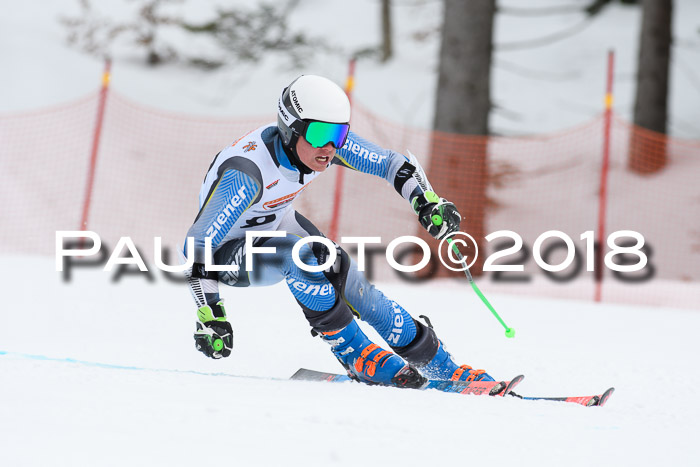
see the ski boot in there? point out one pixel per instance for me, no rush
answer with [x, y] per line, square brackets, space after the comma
[368, 363]
[428, 354]
[442, 367]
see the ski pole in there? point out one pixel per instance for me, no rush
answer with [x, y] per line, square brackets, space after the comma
[510, 332]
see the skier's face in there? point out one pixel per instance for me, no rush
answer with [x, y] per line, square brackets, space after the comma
[317, 159]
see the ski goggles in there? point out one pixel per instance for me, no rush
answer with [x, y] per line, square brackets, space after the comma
[318, 134]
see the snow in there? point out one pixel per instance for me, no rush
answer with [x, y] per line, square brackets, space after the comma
[170, 405]
[536, 90]
[102, 373]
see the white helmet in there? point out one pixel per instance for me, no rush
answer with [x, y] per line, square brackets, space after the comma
[309, 99]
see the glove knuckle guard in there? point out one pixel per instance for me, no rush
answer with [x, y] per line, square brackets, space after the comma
[427, 206]
[208, 333]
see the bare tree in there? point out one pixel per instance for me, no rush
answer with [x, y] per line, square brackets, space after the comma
[651, 101]
[387, 49]
[233, 34]
[462, 106]
[95, 33]
[463, 96]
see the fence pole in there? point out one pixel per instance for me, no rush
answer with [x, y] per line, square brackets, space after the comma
[603, 196]
[340, 172]
[95, 144]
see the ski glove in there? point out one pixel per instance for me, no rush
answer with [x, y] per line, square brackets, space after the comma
[214, 335]
[439, 217]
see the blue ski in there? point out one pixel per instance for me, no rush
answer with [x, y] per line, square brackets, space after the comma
[588, 401]
[491, 388]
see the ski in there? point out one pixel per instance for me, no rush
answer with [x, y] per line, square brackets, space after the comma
[589, 401]
[302, 374]
[500, 388]
[491, 388]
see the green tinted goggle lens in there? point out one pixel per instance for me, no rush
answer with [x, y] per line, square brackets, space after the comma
[318, 134]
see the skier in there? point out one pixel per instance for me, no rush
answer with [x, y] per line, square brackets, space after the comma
[250, 186]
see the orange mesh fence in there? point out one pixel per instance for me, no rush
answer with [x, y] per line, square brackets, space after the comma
[151, 164]
[149, 170]
[43, 163]
[532, 185]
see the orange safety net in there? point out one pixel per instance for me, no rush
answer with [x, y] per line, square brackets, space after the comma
[151, 164]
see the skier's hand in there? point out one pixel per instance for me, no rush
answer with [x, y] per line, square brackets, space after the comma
[439, 217]
[214, 335]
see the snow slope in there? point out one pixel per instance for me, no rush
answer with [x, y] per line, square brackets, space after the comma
[162, 411]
